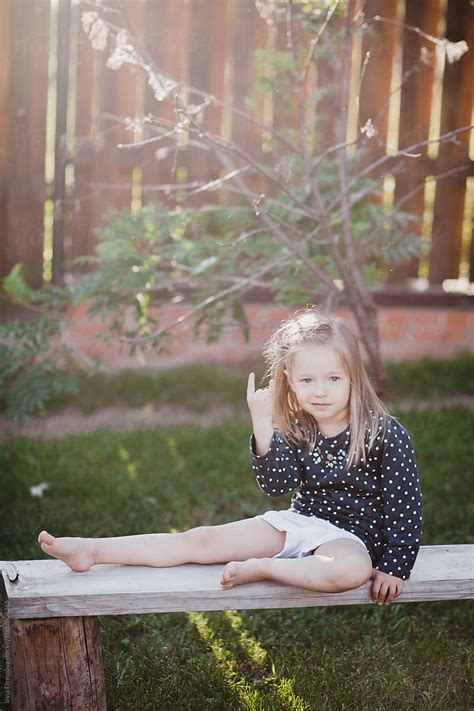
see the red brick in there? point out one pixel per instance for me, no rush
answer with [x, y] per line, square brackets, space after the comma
[405, 333]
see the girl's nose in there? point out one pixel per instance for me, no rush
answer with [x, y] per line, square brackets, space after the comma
[319, 390]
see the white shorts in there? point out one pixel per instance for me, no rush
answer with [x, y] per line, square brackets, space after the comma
[304, 533]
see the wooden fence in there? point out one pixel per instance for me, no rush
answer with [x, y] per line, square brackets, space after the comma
[210, 44]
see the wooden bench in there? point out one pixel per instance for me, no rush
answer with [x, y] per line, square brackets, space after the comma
[50, 613]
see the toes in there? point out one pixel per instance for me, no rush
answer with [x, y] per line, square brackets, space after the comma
[45, 537]
[227, 576]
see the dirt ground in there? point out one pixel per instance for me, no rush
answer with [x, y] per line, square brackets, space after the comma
[123, 419]
[116, 419]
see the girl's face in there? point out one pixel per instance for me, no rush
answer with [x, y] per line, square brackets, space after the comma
[321, 385]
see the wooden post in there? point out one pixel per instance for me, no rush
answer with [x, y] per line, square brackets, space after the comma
[56, 664]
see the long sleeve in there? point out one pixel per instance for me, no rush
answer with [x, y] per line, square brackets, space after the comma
[402, 504]
[278, 471]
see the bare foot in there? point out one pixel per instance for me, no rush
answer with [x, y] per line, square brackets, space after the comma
[247, 571]
[77, 553]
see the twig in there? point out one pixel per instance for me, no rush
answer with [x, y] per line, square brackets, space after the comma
[384, 159]
[235, 288]
[233, 148]
[407, 197]
[403, 25]
[314, 42]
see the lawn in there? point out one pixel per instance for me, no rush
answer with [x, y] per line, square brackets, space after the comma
[414, 655]
[198, 387]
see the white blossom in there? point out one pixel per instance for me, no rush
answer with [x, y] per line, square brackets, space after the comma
[96, 29]
[161, 86]
[122, 41]
[455, 50]
[425, 57]
[266, 10]
[124, 52]
[369, 129]
[88, 19]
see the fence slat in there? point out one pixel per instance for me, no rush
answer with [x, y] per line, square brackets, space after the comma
[83, 237]
[243, 71]
[247, 32]
[208, 45]
[456, 111]
[26, 144]
[165, 37]
[114, 98]
[376, 85]
[127, 102]
[5, 56]
[415, 111]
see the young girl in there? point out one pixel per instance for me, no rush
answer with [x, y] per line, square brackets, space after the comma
[320, 431]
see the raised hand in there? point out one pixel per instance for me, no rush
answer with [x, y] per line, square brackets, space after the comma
[261, 402]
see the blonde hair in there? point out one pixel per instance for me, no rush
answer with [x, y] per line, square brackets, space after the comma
[367, 414]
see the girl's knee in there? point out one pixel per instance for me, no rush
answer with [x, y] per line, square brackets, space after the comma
[351, 574]
[199, 540]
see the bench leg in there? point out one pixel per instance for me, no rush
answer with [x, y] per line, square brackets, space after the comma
[56, 664]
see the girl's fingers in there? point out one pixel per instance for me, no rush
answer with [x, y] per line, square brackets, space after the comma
[384, 589]
[251, 384]
[379, 591]
[399, 590]
[375, 590]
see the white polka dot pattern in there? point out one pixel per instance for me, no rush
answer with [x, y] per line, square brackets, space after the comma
[379, 500]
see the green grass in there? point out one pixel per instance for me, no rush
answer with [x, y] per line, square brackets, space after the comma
[199, 387]
[410, 656]
[195, 387]
[432, 377]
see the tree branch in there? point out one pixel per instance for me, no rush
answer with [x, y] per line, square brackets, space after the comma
[235, 288]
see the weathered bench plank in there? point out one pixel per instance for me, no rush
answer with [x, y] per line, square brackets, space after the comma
[48, 588]
[52, 632]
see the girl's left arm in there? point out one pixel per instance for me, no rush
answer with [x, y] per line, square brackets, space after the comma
[402, 504]
[277, 472]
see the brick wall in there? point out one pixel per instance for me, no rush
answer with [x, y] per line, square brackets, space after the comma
[406, 333]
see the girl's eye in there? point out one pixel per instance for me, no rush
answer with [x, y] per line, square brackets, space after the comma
[334, 378]
[306, 380]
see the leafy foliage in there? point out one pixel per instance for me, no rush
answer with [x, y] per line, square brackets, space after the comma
[30, 354]
[151, 258]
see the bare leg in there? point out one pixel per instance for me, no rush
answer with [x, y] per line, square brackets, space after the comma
[335, 566]
[206, 544]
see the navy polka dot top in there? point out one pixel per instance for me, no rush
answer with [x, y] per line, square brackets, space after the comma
[379, 500]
